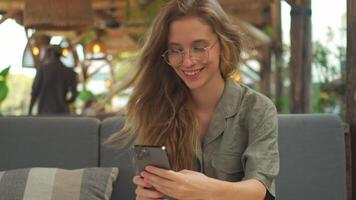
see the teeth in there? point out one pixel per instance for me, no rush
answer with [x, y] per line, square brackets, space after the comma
[192, 73]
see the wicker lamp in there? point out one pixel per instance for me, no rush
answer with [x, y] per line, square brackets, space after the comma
[34, 51]
[95, 50]
[58, 14]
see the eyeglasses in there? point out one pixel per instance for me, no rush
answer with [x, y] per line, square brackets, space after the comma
[175, 57]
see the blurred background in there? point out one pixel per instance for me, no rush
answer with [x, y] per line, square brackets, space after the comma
[102, 46]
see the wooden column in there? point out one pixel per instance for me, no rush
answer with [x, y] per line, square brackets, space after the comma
[300, 66]
[278, 52]
[351, 85]
[266, 71]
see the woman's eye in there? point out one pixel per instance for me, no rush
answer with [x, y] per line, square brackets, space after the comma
[175, 51]
[198, 49]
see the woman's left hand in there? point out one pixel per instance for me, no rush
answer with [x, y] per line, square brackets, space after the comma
[184, 184]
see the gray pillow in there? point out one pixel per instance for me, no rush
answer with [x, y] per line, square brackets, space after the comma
[57, 184]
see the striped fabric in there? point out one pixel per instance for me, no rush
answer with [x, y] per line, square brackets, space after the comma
[57, 184]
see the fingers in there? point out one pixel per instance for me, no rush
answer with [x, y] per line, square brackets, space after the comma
[144, 198]
[167, 174]
[145, 191]
[139, 181]
[160, 184]
[143, 194]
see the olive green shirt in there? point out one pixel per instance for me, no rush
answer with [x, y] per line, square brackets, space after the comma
[241, 142]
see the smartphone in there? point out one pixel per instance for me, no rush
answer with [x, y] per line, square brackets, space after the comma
[150, 155]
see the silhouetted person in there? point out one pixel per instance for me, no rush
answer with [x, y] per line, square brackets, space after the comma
[52, 84]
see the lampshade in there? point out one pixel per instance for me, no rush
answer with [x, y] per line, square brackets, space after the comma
[95, 50]
[35, 50]
[58, 14]
[69, 56]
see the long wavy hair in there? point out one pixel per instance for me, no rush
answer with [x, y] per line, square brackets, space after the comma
[160, 107]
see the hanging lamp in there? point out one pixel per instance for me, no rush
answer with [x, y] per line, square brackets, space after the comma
[34, 51]
[96, 49]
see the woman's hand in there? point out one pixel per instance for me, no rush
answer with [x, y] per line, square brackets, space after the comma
[184, 184]
[144, 190]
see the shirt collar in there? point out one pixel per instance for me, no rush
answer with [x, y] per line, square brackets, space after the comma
[226, 108]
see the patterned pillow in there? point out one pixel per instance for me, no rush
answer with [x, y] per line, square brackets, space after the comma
[57, 184]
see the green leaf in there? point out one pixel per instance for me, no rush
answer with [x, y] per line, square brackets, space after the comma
[269, 31]
[4, 90]
[86, 95]
[4, 73]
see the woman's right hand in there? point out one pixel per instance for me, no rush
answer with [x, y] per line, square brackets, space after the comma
[145, 191]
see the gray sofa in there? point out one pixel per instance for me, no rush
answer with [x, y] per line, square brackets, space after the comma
[312, 151]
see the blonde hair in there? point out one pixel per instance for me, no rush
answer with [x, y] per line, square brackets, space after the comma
[160, 106]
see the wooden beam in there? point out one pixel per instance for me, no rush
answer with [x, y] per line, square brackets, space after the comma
[300, 66]
[254, 34]
[97, 4]
[102, 4]
[245, 4]
[266, 71]
[278, 52]
[253, 17]
[276, 24]
[252, 11]
[351, 86]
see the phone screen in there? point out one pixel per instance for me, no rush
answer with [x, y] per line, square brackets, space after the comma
[150, 155]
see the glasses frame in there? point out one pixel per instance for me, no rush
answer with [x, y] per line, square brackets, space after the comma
[206, 49]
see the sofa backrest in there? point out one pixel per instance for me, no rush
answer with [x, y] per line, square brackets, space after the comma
[64, 142]
[312, 157]
[115, 157]
[312, 151]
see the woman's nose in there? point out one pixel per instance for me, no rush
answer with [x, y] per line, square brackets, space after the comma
[187, 60]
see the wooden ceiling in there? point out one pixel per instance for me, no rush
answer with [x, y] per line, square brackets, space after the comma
[253, 11]
[132, 15]
[125, 21]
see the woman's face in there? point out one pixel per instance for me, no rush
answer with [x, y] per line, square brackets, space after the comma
[194, 53]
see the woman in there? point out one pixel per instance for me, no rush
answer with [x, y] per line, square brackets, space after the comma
[221, 136]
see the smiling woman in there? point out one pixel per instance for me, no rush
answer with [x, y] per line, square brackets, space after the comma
[221, 136]
[193, 53]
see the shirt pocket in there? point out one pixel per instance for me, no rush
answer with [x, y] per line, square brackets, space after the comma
[228, 167]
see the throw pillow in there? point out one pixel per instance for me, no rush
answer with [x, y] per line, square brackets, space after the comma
[57, 184]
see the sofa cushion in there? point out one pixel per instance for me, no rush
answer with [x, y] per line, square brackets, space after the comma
[63, 142]
[118, 157]
[312, 157]
[54, 183]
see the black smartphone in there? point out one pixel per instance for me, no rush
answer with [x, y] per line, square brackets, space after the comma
[150, 155]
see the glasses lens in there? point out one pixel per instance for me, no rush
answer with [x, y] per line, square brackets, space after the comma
[173, 58]
[199, 54]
